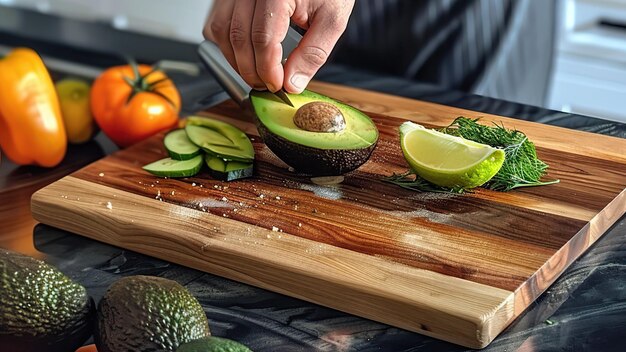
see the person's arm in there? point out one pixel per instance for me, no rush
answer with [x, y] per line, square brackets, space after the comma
[249, 34]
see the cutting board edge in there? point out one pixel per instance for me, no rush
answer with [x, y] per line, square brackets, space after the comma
[54, 205]
[572, 250]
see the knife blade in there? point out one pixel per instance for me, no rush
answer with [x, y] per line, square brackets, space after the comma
[284, 97]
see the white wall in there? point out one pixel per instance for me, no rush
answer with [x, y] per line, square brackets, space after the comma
[177, 19]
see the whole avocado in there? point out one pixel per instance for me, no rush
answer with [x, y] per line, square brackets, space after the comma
[213, 344]
[147, 313]
[41, 309]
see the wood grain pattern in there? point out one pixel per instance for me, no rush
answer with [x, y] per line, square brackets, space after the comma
[456, 267]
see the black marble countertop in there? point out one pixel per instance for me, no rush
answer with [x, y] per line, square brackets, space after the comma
[584, 310]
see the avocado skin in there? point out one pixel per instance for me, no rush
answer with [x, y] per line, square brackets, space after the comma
[213, 344]
[147, 313]
[41, 309]
[314, 161]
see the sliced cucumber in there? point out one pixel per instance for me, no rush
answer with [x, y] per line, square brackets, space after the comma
[169, 167]
[204, 136]
[214, 143]
[243, 149]
[179, 146]
[214, 163]
[227, 170]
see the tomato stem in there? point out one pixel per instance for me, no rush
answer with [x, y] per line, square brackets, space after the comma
[139, 83]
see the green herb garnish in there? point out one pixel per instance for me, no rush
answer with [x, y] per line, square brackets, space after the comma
[521, 168]
[413, 182]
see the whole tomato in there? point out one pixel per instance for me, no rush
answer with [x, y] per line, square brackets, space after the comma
[133, 102]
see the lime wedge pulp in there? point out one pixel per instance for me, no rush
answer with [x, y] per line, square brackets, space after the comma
[446, 160]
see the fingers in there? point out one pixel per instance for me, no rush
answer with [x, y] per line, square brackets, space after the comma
[249, 34]
[269, 28]
[241, 42]
[217, 28]
[325, 29]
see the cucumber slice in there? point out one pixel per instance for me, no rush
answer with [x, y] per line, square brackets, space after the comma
[215, 163]
[214, 143]
[201, 136]
[169, 167]
[228, 170]
[228, 154]
[179, 146]
[243, 151]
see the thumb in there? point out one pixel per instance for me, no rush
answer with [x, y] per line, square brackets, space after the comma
[312, 52]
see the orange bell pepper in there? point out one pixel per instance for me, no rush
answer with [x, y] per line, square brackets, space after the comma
[31, 125]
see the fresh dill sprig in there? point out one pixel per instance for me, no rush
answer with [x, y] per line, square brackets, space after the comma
[521, 168]
[409, 180]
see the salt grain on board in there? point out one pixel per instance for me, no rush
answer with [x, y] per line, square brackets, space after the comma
[327, 192]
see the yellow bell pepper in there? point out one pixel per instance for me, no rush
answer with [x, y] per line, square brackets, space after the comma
[31, 125]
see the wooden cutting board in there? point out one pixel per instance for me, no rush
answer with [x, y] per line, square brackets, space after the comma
[456, 267]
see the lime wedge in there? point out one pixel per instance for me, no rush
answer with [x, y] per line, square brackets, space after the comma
[446, 160]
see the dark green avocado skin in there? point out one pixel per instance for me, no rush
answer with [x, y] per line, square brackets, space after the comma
[41, 309]
[147, 313]
[213, 344]
[314, 161]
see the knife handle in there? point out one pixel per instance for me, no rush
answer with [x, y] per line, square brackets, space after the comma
[225, 74]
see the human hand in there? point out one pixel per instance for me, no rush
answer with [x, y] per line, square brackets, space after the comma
[249, 34]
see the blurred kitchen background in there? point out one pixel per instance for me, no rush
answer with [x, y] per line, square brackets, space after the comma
[587, 74]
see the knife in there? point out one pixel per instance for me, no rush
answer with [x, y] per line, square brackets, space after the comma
[229, 79]
[282, 95]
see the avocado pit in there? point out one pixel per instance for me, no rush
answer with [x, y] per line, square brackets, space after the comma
[319, 116]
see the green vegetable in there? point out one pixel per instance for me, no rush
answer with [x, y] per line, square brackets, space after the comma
[220, 139]
[169, 167]
[228, 151]
[227, 170]
[521, 168]
[179, 147]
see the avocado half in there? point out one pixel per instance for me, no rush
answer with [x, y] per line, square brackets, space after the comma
[313, 153]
